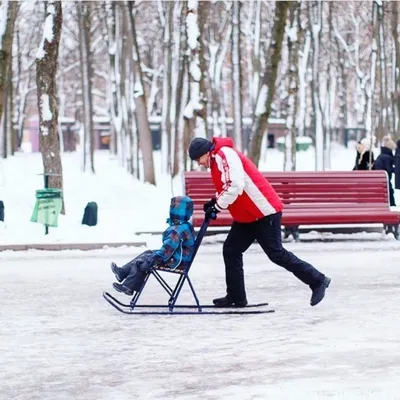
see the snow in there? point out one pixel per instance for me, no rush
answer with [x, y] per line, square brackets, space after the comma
[299, 139]
[45, 107]
[126, 206]
[69, 120]
[137, 89]
[61, 340]
[194, 69]
[304, 139]
[292, 33]
[195, 96]
[262, 100]
[75, 345]
[47, 30]
[188, 113]
[193, 32]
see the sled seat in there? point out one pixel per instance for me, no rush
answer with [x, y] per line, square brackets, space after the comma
[312, 198]
[165, 268]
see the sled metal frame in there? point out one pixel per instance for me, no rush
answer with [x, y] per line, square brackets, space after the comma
[169, 308]
[163, 309]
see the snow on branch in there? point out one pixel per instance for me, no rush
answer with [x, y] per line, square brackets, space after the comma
[3, 20]
[193, 31]
[48, 30]
[45, 107]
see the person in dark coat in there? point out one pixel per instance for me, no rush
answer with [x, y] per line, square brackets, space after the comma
[365, 157]
[397, 166]
[385, 162]
[175, 253]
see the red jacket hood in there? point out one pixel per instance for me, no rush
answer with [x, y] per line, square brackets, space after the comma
[222, 142]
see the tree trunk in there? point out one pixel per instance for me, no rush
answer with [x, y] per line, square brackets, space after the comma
[146, 143]
[253, 54]
[166, 140]
[355, 59]
[294, 38]
[9, 11]
[46, 70]
[267, 90]
[5, 118]
[396, 88]
[86, 80]
[342, 90]
[369, 124]
[179, 150]
[236, 76]
[331, 87]
[197, 106]
[10, 96]
[315, 17]
[127, 87]
[384, 121]
[219, 42]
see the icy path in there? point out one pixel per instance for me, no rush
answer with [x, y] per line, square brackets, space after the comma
[59, 340]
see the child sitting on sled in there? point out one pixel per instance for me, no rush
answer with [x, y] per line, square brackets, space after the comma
[176, 251]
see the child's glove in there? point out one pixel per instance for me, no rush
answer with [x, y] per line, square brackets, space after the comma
[210, 203]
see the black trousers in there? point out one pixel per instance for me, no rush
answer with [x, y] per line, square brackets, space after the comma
[267, 232]
[392, 201]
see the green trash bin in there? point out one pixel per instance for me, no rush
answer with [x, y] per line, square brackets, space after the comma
[280, 144]
[303, 143]
[47, 207]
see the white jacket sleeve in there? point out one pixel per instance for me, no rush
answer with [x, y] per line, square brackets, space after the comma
[232, 176]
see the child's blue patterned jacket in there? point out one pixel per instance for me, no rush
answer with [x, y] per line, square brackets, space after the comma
[178, 239]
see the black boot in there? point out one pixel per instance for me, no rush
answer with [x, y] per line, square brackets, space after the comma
[117, 272]
[122, 289]
[318, 291]
[227, 301]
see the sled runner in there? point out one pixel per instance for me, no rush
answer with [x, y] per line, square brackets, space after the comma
[171, 306]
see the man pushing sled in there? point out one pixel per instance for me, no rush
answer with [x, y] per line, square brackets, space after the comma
[256, 210]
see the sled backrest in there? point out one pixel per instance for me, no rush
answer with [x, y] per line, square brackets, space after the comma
[199, 239]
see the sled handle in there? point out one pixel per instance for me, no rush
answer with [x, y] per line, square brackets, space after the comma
[200, 235]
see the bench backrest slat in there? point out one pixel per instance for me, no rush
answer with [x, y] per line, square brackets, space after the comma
[294, 188]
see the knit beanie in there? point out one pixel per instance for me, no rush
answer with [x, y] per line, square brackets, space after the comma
[198, 147]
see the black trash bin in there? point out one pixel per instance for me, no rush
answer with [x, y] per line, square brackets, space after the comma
[1, 211]
[90, 214]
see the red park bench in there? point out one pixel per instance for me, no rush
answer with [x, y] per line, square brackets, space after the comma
[312, 198]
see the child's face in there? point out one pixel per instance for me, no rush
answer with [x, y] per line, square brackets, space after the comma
[204, 160]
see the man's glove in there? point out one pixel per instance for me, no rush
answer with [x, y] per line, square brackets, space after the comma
[211, 212]
[210, 203]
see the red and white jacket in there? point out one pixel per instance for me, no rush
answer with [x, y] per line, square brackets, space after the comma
[240, 186]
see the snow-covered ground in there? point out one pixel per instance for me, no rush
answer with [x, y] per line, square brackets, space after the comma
[126, 206]
[59, 339]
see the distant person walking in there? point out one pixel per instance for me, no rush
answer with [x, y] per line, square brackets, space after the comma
[397, 166]
[385, 162]
[365, 157]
